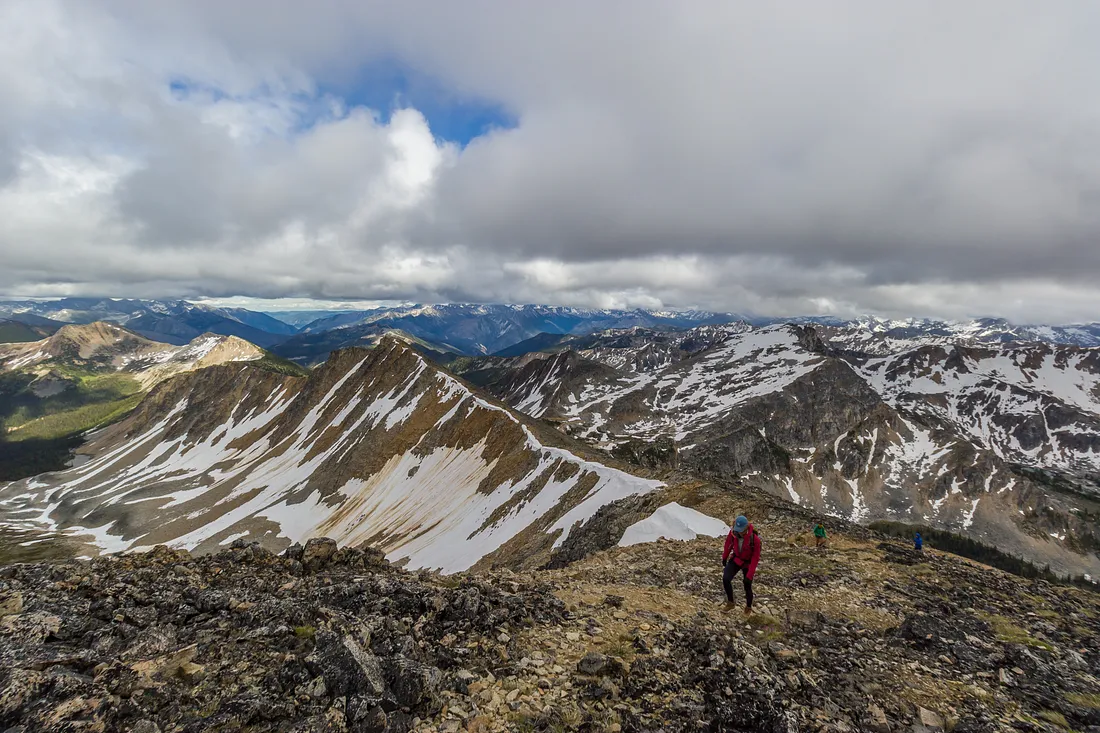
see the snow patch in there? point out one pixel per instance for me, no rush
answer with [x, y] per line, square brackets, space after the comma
[673, 522]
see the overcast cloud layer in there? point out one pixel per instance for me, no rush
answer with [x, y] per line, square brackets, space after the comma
[904, 158]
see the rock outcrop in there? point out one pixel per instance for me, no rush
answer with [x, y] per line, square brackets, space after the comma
[863, 636]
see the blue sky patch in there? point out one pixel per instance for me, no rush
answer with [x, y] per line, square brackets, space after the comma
[386, 86]
[383, 87]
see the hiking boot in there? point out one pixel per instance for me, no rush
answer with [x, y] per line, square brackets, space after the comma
[748, 611]
[729, 606]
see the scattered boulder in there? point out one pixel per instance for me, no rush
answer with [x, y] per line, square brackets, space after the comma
[929, 721]
[413, 683]
[354, 644]
[178, 663]
[345, 666]
[804, 619]
[317, 553]
[595, 664]
[876, 720]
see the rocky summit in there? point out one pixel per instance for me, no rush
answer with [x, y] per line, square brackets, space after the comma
[862, 635]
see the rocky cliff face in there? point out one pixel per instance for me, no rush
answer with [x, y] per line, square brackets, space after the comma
[1034, 404]
[377, 446]
[950, 437]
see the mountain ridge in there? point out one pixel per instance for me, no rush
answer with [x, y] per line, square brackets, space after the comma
[794, 414]
[362, 449]
[176, 322]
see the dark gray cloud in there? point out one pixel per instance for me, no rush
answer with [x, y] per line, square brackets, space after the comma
[909, 158]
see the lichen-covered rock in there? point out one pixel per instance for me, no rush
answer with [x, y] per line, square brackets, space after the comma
[242, 640]
[628, 639]
[345, 666]
[318, 551]
[599, 665]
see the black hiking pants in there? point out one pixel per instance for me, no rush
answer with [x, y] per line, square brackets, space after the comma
[727, 582]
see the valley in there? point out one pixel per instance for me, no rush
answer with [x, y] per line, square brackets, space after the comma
[83, 377]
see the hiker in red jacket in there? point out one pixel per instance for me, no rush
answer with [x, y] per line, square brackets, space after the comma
[741, 554]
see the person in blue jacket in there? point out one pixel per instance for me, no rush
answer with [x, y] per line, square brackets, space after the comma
[918, 543]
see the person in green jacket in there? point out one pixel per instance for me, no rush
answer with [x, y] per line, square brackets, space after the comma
[820, 534]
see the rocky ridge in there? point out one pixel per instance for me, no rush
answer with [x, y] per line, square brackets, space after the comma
[865, 635]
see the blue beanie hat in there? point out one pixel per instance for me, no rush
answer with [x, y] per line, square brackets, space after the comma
[740, 524]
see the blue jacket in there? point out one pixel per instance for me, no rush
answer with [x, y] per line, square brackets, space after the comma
[917, 541]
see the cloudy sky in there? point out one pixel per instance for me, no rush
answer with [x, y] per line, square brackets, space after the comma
[903, 158]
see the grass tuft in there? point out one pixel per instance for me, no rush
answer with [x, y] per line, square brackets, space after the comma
[1010, 633]
[1085, 699]
[1054, 717]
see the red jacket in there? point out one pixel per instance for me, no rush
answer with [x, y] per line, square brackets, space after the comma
[749, 554]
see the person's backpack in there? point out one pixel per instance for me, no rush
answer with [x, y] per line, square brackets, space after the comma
[753, 543]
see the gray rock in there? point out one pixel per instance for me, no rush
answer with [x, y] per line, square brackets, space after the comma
[365, 716]
[876, 719]
[595, 664]
[346, 667]
[803, 619]
[317, 553]
[413, 683]
[929, 721]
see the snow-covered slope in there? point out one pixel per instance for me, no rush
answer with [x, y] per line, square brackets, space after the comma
[879, 336]
[1035, 404]
[932, 435]
[376, 446]
[691, 395]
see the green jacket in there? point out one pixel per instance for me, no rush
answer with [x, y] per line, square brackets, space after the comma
[819, 531]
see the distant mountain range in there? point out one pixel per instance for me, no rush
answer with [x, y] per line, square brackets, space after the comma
[975, 430]
[474, 329]
[307, 337]
[173, 322]
[882, 336]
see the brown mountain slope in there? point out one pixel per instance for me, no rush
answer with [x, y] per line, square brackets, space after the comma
[377, 446]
